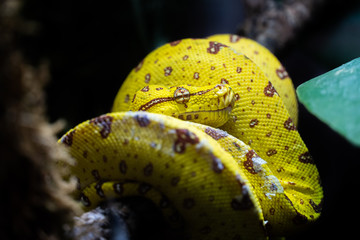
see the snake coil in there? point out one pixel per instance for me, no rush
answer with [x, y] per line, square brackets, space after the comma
[252, 178]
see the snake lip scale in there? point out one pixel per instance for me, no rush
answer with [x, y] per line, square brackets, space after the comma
[207, 130]
[227, 110]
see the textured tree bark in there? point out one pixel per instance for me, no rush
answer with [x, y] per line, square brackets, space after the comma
[273, 23]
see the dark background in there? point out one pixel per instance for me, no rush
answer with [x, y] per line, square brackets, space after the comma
[91, 46]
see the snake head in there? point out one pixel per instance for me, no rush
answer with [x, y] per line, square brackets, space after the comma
[210, 105]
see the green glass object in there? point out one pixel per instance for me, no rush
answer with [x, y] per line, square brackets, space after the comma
[334, 98]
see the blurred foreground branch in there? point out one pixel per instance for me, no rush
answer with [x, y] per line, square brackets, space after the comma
[35, 200]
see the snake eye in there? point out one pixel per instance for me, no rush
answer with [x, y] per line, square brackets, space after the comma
[181, 95]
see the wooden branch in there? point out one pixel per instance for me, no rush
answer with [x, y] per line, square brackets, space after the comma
[35, 200]
[273, 23]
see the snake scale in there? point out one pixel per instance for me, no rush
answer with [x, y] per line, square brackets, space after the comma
[211, 139]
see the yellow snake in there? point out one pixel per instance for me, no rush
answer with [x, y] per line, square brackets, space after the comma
[250, 179]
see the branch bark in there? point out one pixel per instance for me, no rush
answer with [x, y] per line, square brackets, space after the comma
[273, 23]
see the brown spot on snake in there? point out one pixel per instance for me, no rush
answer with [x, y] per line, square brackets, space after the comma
[68, 139]
[142, 120]
[175, 181]
[127, 98]
[234, 38]
[167, 71]
[145, 89]
[272, 211]
[138, 67]
[95, 174]
[214, 47]
[306, 158]
[217, 165]
[184, 137]
[248, 164]
[216, 133]
[148, 170]
[174, 43]
[196, 75]
[282, 73]
[104, 122]
[289, 125]
[147, 78]
[269, 90]
[271, 152]
[253, 123]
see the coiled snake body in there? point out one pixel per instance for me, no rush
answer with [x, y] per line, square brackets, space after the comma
[252, 178]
